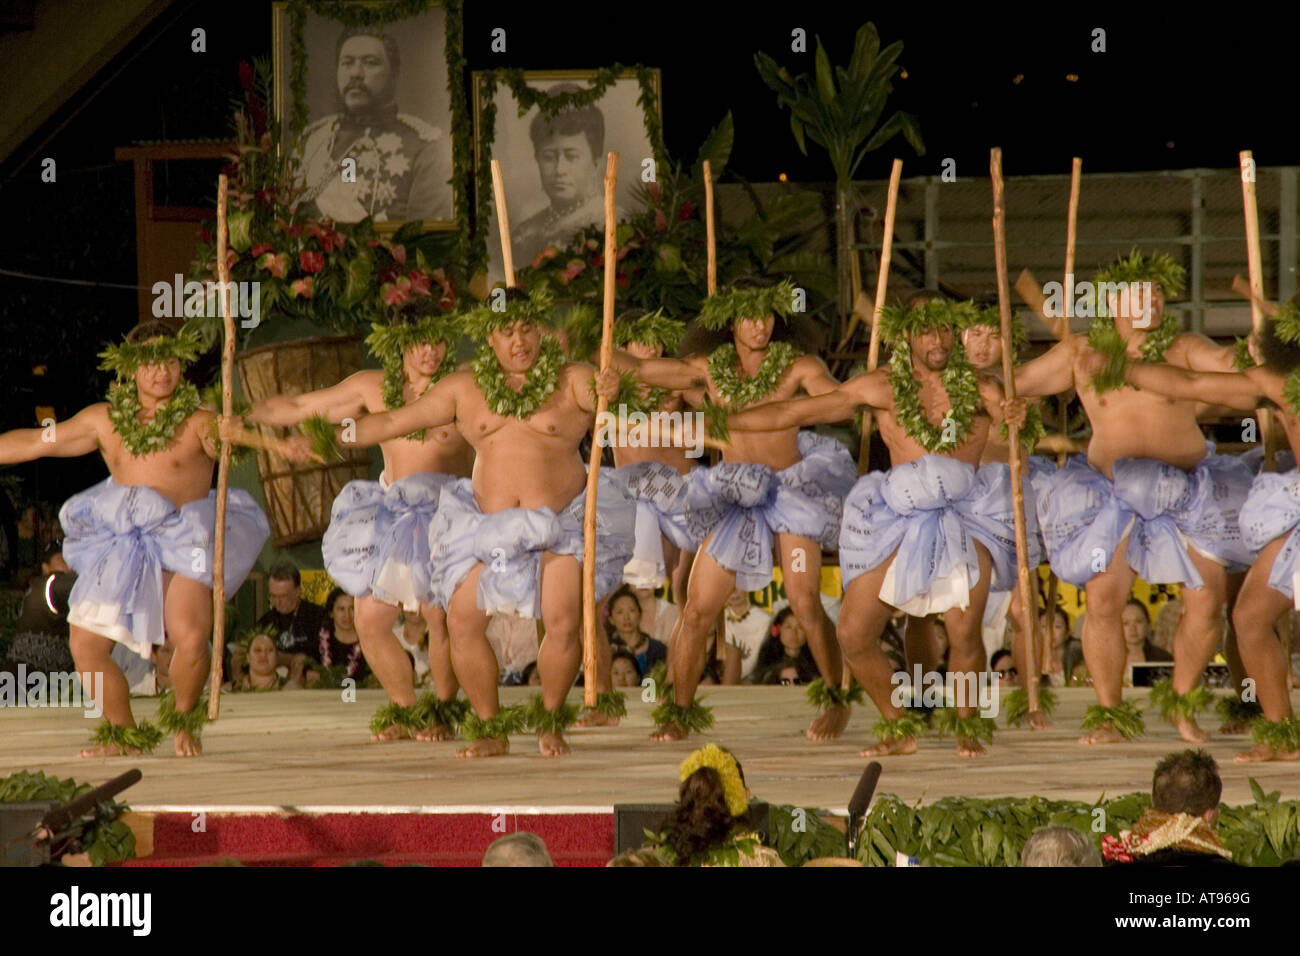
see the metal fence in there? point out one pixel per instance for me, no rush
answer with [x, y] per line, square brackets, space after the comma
[943, 235]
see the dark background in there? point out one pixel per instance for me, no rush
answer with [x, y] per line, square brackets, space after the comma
[1172, 90]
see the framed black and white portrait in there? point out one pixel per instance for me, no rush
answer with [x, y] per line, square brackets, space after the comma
[553, 166]
[366, 116]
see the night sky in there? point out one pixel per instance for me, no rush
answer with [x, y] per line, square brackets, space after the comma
[1171, 91]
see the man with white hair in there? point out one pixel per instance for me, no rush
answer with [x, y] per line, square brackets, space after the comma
[518, 849]
[1059, 846]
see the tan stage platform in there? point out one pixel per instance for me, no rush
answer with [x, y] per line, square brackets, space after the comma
[308, 749]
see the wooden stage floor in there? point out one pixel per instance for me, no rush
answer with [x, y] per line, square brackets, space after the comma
[310, 750]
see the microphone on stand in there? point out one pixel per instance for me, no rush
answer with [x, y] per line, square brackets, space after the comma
[858, 804]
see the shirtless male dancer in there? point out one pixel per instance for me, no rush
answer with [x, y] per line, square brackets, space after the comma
[141, 540]
[377, 544]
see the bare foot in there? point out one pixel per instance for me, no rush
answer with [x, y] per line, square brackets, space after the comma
[970, 747]
[486, 747]
[1187, 729]
[1105, 734]
[830, 724]
[435, 734]
[551, 745]
[187, 745]
[1038, 720]
[669, 732]
[108, 750]
[1262, 752]
[1232, 728]
[594, 718]
[902, 745]
[390, 733]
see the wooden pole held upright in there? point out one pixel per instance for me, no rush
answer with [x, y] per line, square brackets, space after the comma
[589, 664]
[503, 222]
[1029, 606]
[223, 466]
[882, 284]
[1256, 263]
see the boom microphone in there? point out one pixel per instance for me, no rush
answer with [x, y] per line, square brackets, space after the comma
[859, 802]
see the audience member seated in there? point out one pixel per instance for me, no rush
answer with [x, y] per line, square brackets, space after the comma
[747, 628]
[514, 640]
[339, 647]
[1002, 665]
[623, 670]
[40, 640]
[658, 615]
[1178, 829]
[1138, 646]
[1167, 618]
[625, 619]
[786, 646]
[259, 652]
[1059, 846]
[713, 824]
[412, 632]
[1056, 638]
[531, 676]
[518, 849]
[295, 625]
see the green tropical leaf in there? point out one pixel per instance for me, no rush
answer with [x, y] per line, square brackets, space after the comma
[796, 128]
[825, 82]
[866, 46]
[716, 148]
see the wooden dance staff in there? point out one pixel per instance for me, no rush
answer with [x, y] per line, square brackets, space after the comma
[1027, 602]
[223, 466]
[589, 659]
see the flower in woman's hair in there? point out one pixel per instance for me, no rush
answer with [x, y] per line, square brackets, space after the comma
[310, 261]
[302, 287]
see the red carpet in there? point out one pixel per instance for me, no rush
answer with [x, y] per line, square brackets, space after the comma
[393, 839]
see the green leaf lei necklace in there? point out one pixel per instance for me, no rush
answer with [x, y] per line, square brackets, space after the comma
[1104, 337]
[124, 409]
[960, 381]
[737, 392]
[541, 381]
[395, 384]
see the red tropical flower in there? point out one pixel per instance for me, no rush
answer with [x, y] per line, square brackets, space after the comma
[419, 282]
[620, 279]
[653, 190]
[396, 293]
[302, 287]
[260, 248]
[688, 208]
[275, 263]
[311, 261]
[399, 254]
[661, 221]
[571, 271]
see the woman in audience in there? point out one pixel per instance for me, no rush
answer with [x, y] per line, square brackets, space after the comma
[786, 645]
[623, 670]
[339, 646]
[1002, 665]
[712, 825]
[625, 619]
[1136, 621]
[260, 653]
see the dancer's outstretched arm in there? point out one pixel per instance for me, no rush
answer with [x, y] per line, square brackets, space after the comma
[71, 439]
[1239, 390]
[344, 400]
[434, 409]
[870, 390]
[1051, 373]
[664, 372]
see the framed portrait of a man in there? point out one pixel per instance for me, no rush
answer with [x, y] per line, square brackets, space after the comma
[366, 116]
[553, 166]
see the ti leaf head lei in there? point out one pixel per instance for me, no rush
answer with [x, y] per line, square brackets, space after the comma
[1159, 268]
[653, 328]
[389, 343]
[499, 312]
[1286, 326]
[898, 325]
[124, 358]
[729, 304]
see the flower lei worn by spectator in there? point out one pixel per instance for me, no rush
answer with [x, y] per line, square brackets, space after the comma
[1157, 830]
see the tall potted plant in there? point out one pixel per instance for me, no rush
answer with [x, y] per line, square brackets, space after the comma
[841, 111]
